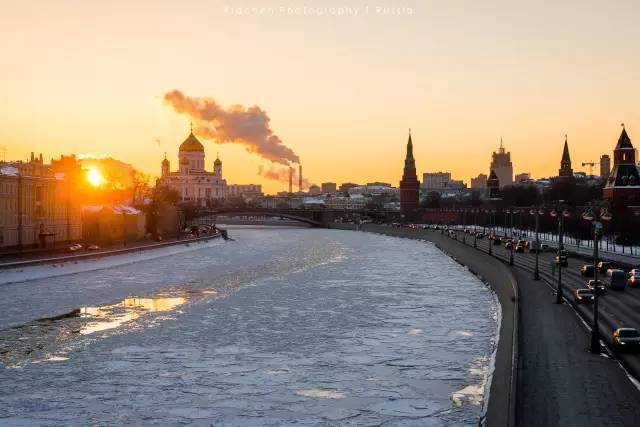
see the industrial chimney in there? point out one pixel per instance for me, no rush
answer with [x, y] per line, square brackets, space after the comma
[290, 180]
[300, 178]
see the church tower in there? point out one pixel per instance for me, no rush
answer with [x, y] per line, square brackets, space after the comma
[166, 167]
[217, 167]
[409, 185]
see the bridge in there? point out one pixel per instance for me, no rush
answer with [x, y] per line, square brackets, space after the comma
[314, 218]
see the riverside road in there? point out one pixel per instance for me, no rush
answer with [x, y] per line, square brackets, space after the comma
[559, 383]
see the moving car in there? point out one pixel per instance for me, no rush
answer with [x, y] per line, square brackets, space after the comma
[587, 270]
[562, 258]
[583, 296]
[603, 266]
[616, 279]
[626, 338]
[600, 289]
[93, 247]
[634, 281]
[496, 241]
[520, 246]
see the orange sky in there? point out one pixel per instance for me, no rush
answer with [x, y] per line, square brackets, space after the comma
[341, 91]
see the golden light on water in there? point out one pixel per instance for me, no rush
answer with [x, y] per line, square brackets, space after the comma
[94, 177]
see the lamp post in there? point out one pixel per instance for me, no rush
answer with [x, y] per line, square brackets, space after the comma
[475, 228]
[464, 226]
[510, 212]
[491, 231]
[537, 212]
[560, 215]
[595, 219]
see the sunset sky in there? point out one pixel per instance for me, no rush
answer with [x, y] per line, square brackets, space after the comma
[341, 91]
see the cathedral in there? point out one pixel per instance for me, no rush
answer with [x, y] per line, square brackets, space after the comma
[192, 180]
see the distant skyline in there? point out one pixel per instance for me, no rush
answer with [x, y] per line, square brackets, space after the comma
[341, 91]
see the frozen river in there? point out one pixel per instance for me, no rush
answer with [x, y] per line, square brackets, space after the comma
[281, 326]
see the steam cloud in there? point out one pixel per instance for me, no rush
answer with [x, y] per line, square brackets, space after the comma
[235, 124]
[282, 175]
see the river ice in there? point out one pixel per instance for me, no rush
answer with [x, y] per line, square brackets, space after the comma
[281, 326]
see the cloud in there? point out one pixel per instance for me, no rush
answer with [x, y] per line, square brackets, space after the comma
[235, 124]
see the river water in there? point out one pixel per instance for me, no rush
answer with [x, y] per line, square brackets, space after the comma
[281, 326]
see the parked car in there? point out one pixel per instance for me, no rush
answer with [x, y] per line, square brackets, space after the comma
[603, 266]
[600, 289]
[520, 246]
[93, 247]
[583, 296]
[74, 248]
[626, 338]
[587, 270]
[616, 279]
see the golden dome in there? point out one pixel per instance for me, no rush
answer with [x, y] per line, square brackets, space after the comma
[191, 144]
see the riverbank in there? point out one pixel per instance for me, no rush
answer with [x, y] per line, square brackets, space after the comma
[28, 262]
[501, 406]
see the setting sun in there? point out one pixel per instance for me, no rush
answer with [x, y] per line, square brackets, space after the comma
[94, 177]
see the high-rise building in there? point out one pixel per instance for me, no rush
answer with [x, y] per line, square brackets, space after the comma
[622, 188]
[522, 177]
[435, 180]
[328, 187]
[479, 182]
[409, 185]
[502, 166]
[346, 186]
[605, 166]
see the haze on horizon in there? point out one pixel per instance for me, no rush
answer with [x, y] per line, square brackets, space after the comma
[341, 91]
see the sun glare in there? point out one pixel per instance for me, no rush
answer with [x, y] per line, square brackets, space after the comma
[94, 177]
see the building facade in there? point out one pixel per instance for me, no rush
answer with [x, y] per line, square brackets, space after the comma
[329, 187]
[409, 185]
[194, 183]
[502, 166]
[37, 205]
[235, 190]
[479, 182]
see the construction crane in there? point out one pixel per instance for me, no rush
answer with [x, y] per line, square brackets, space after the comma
[591, 165]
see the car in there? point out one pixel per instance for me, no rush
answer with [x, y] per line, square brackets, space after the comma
[587, 270]
[520, 246]
[480, 235]
[544, 247]
[600, 289]
[634, 281]
[496, 241]
[561, 260]
[583, 296]
[626, 338]
[508, 245]
[603, 266]
[93, 247]
[616, 279]
[634, 272]
[74, 248]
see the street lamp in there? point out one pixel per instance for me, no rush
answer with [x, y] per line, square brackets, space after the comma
[595, 219]
[475, 228]
[537, 212]
[464, 226]
[560, 215]
[510, 212]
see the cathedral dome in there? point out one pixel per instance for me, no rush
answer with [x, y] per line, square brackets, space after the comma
[217, 162]
[191, 144]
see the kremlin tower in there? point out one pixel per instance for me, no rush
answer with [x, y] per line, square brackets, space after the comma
[409, 185]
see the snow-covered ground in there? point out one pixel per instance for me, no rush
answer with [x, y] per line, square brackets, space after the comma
[281, 326]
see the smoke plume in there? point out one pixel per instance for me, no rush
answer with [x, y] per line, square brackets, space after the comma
[282, 175]
[235, 124]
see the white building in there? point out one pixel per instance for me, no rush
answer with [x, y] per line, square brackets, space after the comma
[244, 190]
[192, 180]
